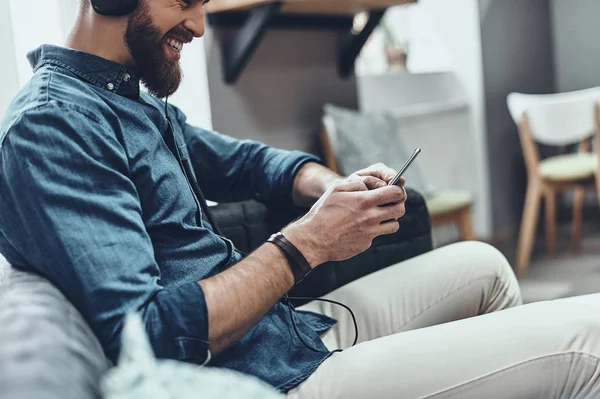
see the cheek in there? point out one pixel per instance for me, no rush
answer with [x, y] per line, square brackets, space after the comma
[165, 18]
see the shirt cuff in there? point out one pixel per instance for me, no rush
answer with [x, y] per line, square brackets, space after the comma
[185, 315]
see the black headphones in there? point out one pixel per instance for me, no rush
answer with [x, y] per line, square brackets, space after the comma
[114, 7]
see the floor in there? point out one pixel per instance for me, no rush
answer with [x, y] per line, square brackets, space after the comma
[566, 274]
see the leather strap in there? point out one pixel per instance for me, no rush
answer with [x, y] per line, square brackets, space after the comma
[298, 263]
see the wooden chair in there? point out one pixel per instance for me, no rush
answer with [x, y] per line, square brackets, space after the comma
[446, 207]
[556, 120]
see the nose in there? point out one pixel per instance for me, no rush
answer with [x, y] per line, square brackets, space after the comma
[195, 21]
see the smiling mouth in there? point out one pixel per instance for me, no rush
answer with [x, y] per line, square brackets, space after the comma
[175, 44]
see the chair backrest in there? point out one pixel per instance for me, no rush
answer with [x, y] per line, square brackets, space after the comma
[557, 119]
[328, 142]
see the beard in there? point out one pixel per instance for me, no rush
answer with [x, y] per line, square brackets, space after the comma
[160, 74]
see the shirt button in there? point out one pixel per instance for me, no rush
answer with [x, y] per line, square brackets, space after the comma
[126, 77]
[110, 86]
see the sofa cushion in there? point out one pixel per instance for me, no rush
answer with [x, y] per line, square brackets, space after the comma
[46, 348]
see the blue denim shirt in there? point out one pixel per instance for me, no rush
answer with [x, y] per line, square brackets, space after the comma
[93, 199]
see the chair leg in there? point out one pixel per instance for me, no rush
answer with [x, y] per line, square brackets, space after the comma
[550, 199]
[577, 219]
[528, 224]
[465, 225]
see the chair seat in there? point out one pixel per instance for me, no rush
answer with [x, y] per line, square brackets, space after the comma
[448, 201]
[569, 167]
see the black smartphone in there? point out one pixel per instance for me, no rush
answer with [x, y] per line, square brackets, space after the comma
[403, 169]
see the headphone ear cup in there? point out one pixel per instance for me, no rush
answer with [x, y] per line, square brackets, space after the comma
[114, 8]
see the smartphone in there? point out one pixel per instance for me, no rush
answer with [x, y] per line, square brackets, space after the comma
[402, 170]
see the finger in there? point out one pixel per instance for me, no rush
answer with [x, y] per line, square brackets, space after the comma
[401, 182]
[385, 195]
[404, 195]
[351, 185]
[373, 182]
[389, 227]
[392, 212]
[380, 171]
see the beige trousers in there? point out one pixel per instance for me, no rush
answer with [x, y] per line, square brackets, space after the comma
[418, 337]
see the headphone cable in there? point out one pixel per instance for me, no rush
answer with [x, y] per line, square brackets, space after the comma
[187, 170]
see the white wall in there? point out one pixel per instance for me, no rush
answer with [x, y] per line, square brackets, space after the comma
[457, 22]
[419, 25]
[445, 36]
[34, 23]
[9, 83]
[193, 96]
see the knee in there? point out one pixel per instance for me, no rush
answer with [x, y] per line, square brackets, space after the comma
[584, 335]
[484, 258]
[486, 261]
[576, 322]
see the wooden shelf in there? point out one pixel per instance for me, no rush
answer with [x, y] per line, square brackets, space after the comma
[425, 109]
[254, 17]
[327, 7]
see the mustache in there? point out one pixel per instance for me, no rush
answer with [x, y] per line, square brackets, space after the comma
[181, 33]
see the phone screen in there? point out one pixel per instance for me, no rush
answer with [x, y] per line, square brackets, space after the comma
[404, 167]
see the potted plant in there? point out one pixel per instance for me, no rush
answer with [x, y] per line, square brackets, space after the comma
[396, 52]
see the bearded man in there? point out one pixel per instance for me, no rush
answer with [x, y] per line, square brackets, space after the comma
[101, 192]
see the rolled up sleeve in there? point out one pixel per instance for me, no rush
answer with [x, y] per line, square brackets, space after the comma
[71, 211]
[236, 170]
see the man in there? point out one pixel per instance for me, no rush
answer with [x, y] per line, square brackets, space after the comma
[94, 197]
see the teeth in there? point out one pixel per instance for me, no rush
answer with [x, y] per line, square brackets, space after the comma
[175, 44]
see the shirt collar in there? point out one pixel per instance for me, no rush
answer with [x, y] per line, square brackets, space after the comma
[98, 71]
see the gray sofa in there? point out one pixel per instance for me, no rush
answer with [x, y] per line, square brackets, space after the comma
[46, 348]
[47, 351]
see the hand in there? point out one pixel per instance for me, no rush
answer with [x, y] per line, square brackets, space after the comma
[345, 220]
[375, 176]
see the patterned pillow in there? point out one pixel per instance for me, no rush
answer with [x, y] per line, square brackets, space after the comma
[361, 139]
